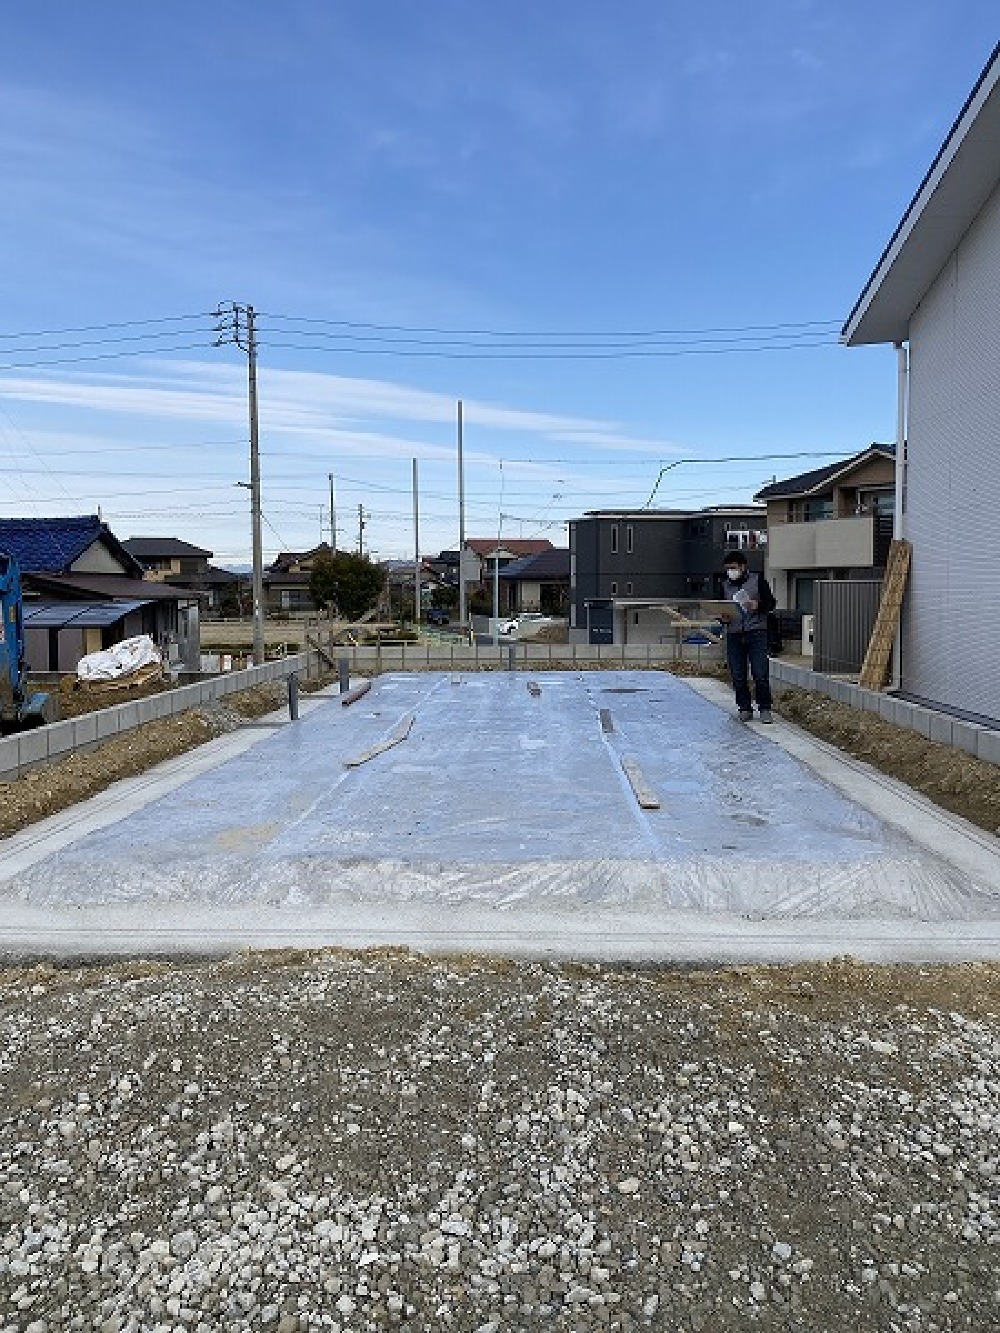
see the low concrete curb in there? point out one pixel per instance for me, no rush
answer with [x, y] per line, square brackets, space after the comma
[983, 742]
[19, 754]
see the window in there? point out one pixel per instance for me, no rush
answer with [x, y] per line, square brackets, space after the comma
[628, 590]
[628, 540]
[635, 618]
[614, 590]
[614, 540]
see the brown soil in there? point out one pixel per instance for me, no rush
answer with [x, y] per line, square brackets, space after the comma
[74, 698]
[959, 782]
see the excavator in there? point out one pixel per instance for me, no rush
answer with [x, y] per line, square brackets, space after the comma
[20, 710]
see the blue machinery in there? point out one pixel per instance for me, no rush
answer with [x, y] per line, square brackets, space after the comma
[19, 709]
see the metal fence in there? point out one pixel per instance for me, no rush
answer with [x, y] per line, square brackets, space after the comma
[845, 612]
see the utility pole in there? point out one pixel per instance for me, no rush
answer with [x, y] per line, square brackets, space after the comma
[333, 517]
[361, 530]
[461, 525]
[496, 567]
[416, 548]
[245, 338]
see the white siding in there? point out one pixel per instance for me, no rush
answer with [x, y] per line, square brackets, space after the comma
[951, 630]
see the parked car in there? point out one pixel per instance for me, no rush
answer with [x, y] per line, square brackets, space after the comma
[437, 615]
[507, 626]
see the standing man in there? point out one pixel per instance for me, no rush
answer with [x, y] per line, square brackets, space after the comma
[746, 635]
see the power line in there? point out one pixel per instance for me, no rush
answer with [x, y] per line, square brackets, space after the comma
[98, 328]
[487, 353]
[557, 333]
[100, 356]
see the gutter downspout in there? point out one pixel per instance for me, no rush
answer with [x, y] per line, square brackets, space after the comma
[898, 518]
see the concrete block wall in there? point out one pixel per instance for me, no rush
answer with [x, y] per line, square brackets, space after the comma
[31, 749]
[983, 742]
[368, 658]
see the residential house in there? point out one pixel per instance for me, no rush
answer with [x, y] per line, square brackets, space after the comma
[83, 591]
[445, 566]
[834, 522]
[935, 295]
[628, 565]
[480, 556]
[286, 582]
[536, 583]
[170, 560]
[396, 601]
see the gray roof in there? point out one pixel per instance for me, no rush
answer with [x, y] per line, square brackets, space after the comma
[552, 564]
[163, 548]
[960, 180]
[807, 483]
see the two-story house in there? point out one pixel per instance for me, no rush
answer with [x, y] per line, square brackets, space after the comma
[286, 581]
[182, 565]
[627, 565]
[834, 522]
[935, 295]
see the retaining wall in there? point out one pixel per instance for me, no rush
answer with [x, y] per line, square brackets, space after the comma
[983, 742]
[20, 753]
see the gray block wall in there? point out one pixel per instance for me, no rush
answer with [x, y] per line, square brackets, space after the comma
[31, 749]
[983, 742]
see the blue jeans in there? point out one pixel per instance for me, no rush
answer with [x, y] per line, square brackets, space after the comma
[748, 649]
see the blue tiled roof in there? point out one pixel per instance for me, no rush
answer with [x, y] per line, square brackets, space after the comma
[48, 545]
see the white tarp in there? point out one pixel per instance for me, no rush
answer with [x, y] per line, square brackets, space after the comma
[123, 659]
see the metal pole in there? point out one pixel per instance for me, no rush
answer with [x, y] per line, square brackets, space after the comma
[361, 530]
[902, 385]
[333, 517]
[416, 547]
[258, 558]
[462, 608]
[496, 567]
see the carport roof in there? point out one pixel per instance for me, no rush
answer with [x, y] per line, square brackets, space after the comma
[86, 615]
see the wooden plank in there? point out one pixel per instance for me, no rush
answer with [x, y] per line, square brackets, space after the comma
[315, 643]
[400, 734]
[644, 794]
[875, 668]
[352, 695]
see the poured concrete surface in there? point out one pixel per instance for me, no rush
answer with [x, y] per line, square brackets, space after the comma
[503, 818]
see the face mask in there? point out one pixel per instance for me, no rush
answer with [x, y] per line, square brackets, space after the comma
[734, 575]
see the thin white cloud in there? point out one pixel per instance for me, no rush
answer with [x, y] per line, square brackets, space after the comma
[332, 408]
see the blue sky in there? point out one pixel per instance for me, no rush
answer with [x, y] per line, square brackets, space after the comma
[544, 174]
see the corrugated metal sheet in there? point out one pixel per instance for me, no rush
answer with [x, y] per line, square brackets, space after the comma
[951, 632]
[845, 611]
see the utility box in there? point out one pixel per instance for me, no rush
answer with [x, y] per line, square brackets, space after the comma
[807, 636]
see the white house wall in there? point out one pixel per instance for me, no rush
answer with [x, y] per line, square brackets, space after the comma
[951, 631]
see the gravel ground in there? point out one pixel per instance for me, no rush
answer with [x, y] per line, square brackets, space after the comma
[363, 1141]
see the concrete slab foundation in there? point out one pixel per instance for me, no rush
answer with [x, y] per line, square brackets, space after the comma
[505, 821]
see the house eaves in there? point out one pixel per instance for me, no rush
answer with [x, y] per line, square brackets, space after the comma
[960, 180]
[822, 478]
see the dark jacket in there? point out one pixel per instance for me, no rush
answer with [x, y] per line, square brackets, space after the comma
[756, 587]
